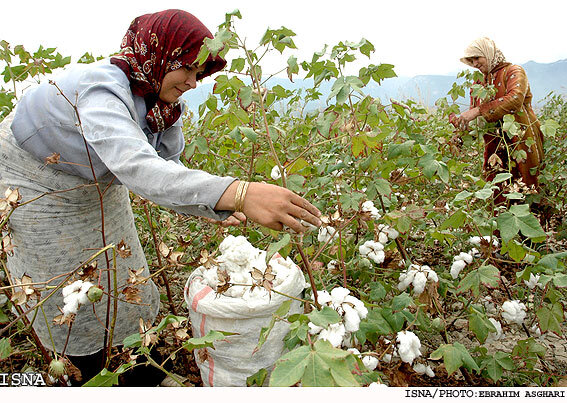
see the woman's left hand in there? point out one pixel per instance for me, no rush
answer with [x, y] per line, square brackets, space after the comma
[465, 117]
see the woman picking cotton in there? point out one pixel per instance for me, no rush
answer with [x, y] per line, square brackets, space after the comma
[522, 153]
[117, 122]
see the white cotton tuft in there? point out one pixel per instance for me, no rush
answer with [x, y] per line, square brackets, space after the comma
[383, 238]
[514, 312]
[533, 281]
[351, 318]
[456, 267]
[495, 336]
[358, 306]
[323, 297]
[333, 334]
[419, 282]
[370, 362]
[327, 233]
[338, 295]
[314, 329]
[368, 207]
[408, 346]
[276, 173]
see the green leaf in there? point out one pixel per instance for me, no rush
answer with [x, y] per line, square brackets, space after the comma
[382, 186]
[324, 317]
[480, 325]
[401, 301]
[5, 348]
[275, 247]
[206, 341]
[377, 291]
[258, 378]
[265, 331]
[519, 218]
[496, 364]
[550, 319]
[169, 319]
[134, 340]
[456, 220]
[289, 369]
[465, 194]
[486, 275]
[106, 378]
[454, 356]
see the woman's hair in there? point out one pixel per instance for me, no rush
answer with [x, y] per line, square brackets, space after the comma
[154, 45]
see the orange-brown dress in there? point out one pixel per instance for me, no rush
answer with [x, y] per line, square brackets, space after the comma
[513, 96]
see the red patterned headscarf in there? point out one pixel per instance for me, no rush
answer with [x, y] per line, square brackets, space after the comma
[154, 45]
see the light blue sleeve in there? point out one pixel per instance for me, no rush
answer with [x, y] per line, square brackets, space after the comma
[122, 146]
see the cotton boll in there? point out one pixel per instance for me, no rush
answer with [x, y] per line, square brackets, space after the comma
[419, 282]
[314, 329]
[475, 240]
[466, 257]
[276, 174]
[326, 234]
[333, 334]
[71, 304]
[354, 351]
[383, 238]
[377, 385]
[351, 318]
[431, 275]
[406, 278]
[76, 286]
[408, 346]
[514, 311]
[392, 233]
[474, 252]
[387, 358]
[323, 297]
[495, 336]
[370, 362]
[377, 257]
[358, 306]
[456, 267]
[533, 281]
[338, 295]
[423, 369]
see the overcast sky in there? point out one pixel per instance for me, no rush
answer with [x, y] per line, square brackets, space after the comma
[417, 36]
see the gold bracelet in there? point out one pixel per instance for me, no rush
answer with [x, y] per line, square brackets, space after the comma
[240, 195]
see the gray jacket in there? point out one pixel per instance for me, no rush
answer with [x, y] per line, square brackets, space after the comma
[120, 142]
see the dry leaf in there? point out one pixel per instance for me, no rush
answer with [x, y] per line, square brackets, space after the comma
[135, 276]
[20, 296]
[175, 257]
[494, 161]
[207, 260]
[181, 334]
[224, 281]
[164, 250]
[146, 334]
[132, 294]
[203, 355]
[123, 250]
[7, 245]
[53, 159]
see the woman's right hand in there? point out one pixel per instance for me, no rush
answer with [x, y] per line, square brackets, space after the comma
[272, 206]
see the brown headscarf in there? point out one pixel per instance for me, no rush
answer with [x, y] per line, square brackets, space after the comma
[484, 47]
[154, 45]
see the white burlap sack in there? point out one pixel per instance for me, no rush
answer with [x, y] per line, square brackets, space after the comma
[232, 361]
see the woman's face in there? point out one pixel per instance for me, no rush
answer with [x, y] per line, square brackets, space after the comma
[480, 63]
[176, 82]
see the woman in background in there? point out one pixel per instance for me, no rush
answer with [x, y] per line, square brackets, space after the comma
[522, 154]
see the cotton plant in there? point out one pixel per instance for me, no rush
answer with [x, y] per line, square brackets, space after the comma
[417, 276]
[514, 311]
[237, 259]
[351, 310]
